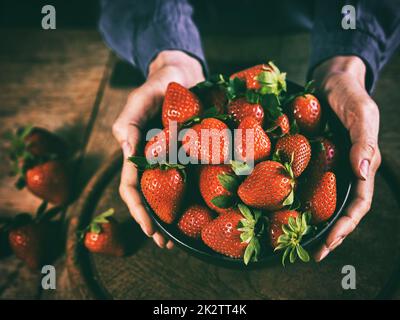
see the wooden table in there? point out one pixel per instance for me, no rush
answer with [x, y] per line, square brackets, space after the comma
[69, 82]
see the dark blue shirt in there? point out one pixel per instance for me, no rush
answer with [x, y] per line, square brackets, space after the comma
[139, 29]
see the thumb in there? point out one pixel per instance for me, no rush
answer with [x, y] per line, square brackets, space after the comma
[361, 155]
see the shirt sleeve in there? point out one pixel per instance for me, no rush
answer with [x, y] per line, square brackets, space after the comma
[137, 30]
[374, 39]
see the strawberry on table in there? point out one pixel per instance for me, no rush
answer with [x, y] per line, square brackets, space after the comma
[194, 219]
[39, 161]
[320, 197]
[208, 141]
[269, 187]
[103, 235]
[241, 108]
[37, 142]
[259, 146]
[307, 113]
[49, 181]
[295, 149]
[35, 240]
[180, 104]
[235, 235]
[287, 228]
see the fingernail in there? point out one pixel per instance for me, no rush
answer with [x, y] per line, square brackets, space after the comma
[146, 231]
[364, 168]
[337, 242]
[126, 149]
[323, 255]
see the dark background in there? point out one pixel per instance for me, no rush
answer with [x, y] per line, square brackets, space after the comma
[219, 16]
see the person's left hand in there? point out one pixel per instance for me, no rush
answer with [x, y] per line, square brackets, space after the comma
[341, 81]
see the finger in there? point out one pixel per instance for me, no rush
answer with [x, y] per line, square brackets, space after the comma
[356, 210]
[131, 196]
[170, 245]
[160, 239]
[364, 136]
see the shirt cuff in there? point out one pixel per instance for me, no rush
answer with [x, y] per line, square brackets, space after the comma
[347, 43]
[166, 35]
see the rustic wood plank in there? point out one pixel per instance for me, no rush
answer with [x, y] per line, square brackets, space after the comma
[50, 79]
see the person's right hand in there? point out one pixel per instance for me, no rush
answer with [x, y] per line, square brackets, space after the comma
[142, 104]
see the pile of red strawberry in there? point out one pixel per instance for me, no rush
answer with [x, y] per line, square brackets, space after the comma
[291, 188]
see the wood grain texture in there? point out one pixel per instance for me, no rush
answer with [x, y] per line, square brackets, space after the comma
[49, 79]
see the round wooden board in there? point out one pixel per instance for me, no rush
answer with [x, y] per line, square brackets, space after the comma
[151, 273]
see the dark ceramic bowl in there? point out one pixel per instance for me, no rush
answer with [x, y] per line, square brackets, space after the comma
[344, 179]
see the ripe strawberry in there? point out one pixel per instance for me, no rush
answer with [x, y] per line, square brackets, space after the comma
[241, 108]
[35, 241]
[307, 113]
[207, 141]
[276, 221]
[298, 147]
[269, 186]
[164, 189]
[320, 197]
[210, 178]
[103, 235]
[280, 127]
[194, 219]
[37, 142]
[158, 146]
[49, 181]
[250, 75]
[264, 77]
[324, 158]
[40, 142]
[259, 146]
[235, 235]
[287, 228]
[180, 104]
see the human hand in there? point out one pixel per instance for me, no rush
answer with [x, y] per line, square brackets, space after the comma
[144, 103]
[341, 80]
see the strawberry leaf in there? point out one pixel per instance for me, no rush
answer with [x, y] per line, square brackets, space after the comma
[229, 182]
[140, 162]
[246, 212]
[223, 202]
[248, 253]
[292, 256]
[303, 254]
[290, 198]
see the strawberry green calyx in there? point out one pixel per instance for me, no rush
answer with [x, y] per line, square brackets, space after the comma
[142, 164]
[309, 88]
[95, 225]
[230, 183]
[272, 80]
[251, 228]
[290, 240]
[288, 167]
